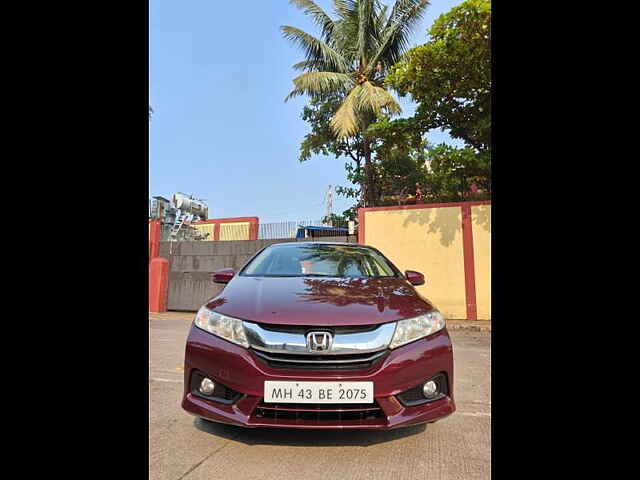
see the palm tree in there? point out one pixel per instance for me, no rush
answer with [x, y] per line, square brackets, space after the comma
[351, 58]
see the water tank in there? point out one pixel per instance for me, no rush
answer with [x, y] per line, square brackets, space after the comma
[187, 204]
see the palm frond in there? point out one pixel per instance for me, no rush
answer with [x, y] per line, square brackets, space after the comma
[395, 37]
[310, 66]
[345, 122]
[366, 27]
[345, 8]
[324, 21]
[400, 9]
[321, 83]
[381, 19]
[345, 32]
[373, 98]
[407, 17]
[315, 49]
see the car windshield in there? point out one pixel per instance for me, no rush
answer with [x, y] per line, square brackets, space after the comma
[319, 261]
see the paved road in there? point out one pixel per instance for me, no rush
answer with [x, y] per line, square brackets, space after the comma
[183, 447]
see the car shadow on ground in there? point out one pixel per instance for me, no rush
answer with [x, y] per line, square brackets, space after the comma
[305, 438]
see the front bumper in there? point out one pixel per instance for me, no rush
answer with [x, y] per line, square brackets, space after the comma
[239, 369]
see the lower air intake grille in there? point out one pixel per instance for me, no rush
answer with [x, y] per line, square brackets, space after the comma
[319, 412]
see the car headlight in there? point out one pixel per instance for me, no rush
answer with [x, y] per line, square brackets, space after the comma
[415, 328]
[230, 329]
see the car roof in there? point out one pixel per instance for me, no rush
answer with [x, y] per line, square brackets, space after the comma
[284, 244]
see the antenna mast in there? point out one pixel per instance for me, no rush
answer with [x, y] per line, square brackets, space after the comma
[329, 202]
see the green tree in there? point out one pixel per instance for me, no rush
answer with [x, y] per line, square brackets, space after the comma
[450, 75]
[400, 175]
[402, 156]
[348, 62]
[399, 156]
[453, 170]
[335, 220]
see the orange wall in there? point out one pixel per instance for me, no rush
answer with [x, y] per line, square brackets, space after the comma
[430, 239]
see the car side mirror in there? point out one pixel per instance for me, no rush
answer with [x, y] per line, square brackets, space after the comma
[223, 275]
[414, 278]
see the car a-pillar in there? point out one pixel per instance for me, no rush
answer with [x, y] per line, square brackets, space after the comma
[158, 284]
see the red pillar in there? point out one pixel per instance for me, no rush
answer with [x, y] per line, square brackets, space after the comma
[154, 239]
[158, 284]
[469, 264]
[361, 215]
[253, 229]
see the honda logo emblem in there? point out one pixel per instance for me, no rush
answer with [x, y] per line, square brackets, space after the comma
[319, 341]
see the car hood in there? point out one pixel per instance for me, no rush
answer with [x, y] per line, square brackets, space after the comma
[319, 301]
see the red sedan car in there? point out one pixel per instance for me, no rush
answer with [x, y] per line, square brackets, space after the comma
[319, 335]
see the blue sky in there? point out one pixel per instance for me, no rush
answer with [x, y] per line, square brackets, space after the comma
[218, 75]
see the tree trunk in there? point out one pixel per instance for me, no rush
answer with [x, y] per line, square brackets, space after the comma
[370, 193]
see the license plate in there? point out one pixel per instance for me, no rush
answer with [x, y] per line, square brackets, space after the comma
[318, 392]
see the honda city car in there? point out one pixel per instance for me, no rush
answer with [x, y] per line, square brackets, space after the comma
[319, 336]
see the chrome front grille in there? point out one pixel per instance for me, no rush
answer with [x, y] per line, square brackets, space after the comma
[350, 347]
[292, 339]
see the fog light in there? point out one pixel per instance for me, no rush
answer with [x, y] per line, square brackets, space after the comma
[207, 386]
[429, 389]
